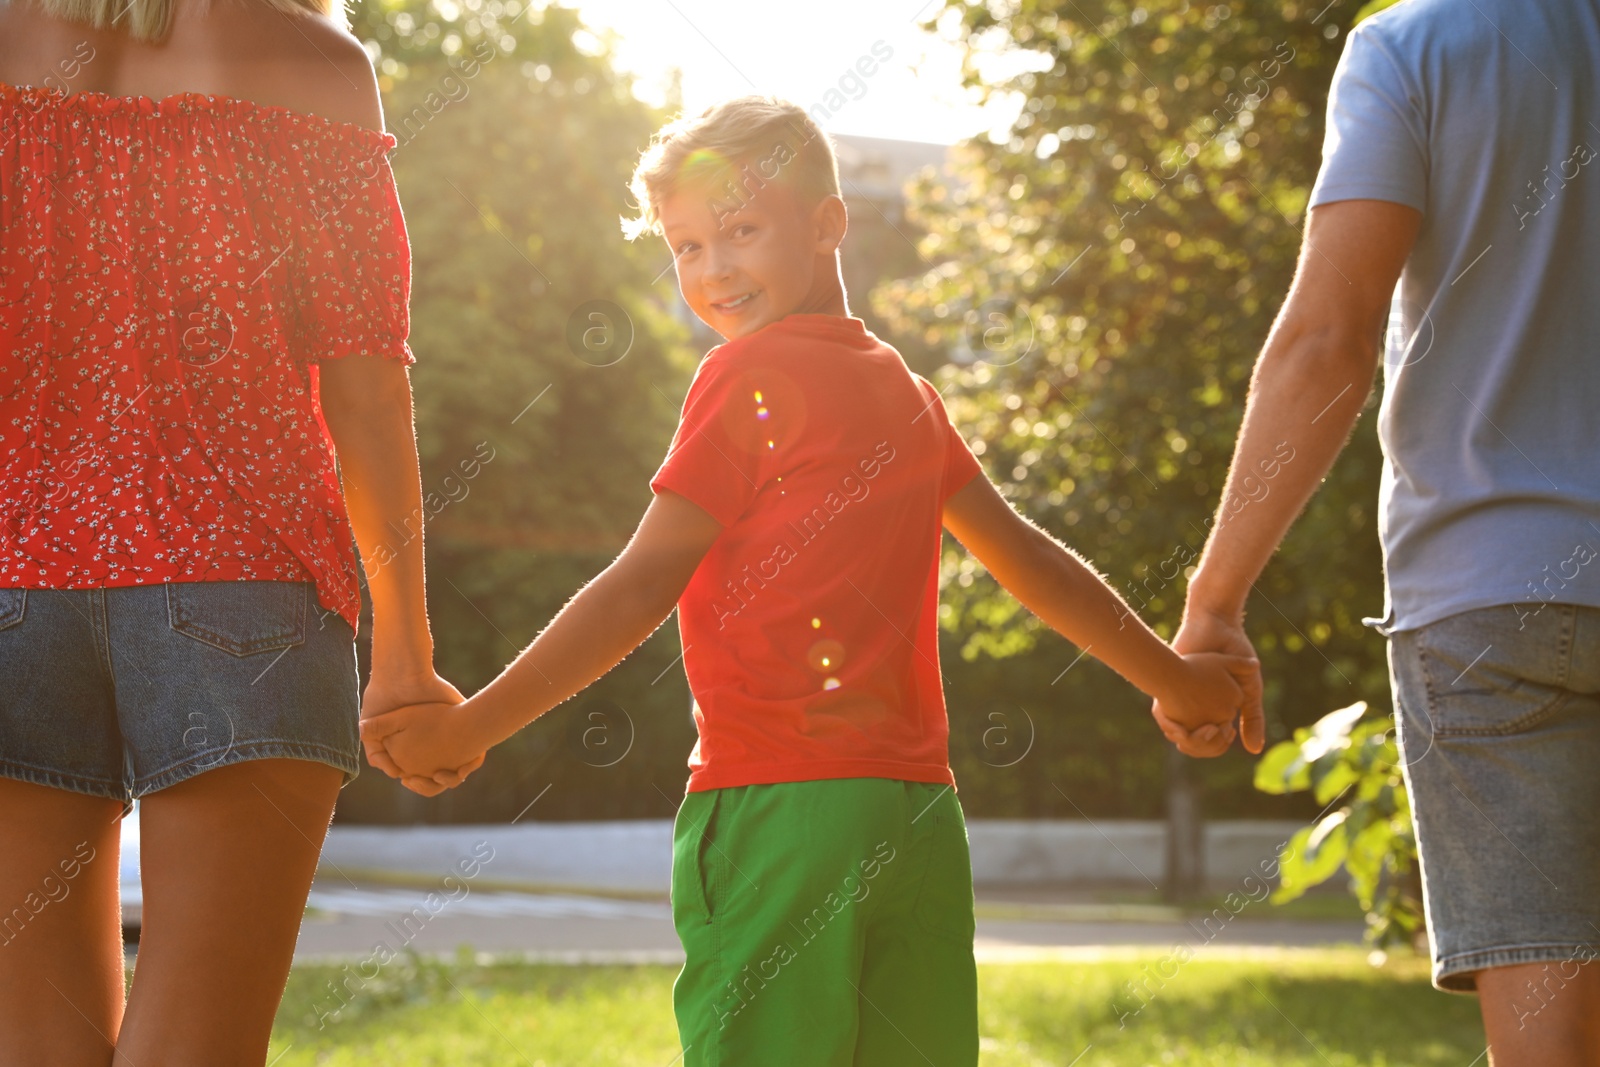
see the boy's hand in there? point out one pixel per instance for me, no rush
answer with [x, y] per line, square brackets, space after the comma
[1206, 631]
[1215, 689]
[432, 747]
[390, 689]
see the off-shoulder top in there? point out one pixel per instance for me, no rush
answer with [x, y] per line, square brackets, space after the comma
[171, 271]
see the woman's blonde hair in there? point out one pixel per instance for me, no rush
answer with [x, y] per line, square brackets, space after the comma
[739, 144]
[149, 20]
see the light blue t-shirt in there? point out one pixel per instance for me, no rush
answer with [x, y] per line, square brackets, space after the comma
[1484, 116]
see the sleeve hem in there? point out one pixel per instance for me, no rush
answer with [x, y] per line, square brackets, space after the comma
[397, 350]
[685, 488]
[1332, 194]
[963, 480]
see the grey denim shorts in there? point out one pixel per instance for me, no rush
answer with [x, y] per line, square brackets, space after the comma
[120, 692]
[1498, 712]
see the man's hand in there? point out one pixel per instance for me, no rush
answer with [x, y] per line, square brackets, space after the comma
[1205, 632]
[1212, 690]
[431, 746]
[387, 691]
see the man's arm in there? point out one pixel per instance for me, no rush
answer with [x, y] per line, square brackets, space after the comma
[1066, 593]
[1309, 385]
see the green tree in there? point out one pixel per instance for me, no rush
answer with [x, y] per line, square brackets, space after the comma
[549, 372]
[1113, 267]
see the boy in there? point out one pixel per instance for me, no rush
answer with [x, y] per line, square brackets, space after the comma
[821, 883]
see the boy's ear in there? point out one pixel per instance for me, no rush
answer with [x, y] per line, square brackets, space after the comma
[831, 220]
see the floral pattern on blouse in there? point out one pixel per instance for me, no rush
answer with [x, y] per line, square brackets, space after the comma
[170, 273]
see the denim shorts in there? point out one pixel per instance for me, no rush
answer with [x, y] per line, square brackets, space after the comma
[1498, 714]
[120, 692]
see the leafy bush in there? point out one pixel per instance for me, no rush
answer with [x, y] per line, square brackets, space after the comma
[1347, 756]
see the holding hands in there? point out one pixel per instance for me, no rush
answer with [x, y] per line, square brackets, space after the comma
[421, 731]
[1226, 684]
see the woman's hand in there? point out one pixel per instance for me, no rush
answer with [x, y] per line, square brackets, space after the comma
[389, 690]
[433, 746]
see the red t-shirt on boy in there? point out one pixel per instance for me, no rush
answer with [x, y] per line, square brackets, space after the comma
[810, 628]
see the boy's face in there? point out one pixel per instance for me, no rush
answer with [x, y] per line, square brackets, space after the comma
[748, 267]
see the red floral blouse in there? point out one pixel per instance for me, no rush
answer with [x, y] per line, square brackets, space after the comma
[170, 272]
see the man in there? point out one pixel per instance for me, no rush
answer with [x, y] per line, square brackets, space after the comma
[1461, 161]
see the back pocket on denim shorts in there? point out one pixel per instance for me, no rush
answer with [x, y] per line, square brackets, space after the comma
[1492, 671]
[241, 618]
[13, 602]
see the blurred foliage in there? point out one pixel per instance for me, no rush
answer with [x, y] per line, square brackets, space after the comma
[516, 140]
[1115, 283]
[1370, 836]
[1113, 267]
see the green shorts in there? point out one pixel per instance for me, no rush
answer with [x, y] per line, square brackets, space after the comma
[825, 924]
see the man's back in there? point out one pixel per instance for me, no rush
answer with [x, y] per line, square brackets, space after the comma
[1482, 116]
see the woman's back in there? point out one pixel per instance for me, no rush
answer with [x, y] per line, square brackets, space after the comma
[244, 49]
[190, 227]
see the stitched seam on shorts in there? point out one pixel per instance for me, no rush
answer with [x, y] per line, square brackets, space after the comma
[189, 628]
[1457, 962]
[1569, 624]
[1516, 726]
[269, 749]
[100, 623]
[28, 769]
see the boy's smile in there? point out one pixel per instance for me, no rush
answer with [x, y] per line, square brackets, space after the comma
[737, 302]
[743, 266]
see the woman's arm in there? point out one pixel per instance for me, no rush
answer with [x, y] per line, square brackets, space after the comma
[366, 401]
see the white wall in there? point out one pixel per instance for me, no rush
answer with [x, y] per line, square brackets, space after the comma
[637, 856]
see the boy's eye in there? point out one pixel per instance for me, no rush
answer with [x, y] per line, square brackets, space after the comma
[685, 248]
[742, 229]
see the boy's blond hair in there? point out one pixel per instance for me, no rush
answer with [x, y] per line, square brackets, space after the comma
[149, 20]
[734, 148]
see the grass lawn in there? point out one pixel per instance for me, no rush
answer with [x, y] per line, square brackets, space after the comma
[1311, 1008]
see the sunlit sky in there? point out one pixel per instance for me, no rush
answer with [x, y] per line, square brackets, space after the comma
[802, 51]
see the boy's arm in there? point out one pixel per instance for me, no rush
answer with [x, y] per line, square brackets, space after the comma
[1060, 588]
[606, 620]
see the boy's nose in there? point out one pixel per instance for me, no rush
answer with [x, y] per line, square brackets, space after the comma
[717, 265]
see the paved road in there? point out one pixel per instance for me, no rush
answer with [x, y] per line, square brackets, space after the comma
[351, 921]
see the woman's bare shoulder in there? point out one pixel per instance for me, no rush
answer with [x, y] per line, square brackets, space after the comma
[302, 61]
[249, 50]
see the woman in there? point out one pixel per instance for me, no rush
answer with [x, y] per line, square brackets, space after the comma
[203, 285]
